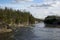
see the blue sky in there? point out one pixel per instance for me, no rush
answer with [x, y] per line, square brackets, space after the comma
[9, 1]
[38, 8]
[5, 1]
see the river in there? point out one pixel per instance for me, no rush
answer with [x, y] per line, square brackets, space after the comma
[34, 32]
[37, 32]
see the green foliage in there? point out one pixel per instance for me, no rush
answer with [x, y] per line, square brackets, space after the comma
[52, 20]
[15, 16]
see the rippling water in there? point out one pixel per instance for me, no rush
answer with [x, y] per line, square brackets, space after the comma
[35, 32]
[38, 32]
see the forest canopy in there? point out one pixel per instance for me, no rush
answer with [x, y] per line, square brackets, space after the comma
[15, 16]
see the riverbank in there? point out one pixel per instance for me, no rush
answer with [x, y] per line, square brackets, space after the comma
[5, 30]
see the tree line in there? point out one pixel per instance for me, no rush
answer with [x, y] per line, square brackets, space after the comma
[16, 16]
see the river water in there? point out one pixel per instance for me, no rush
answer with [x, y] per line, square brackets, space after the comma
[37, 32]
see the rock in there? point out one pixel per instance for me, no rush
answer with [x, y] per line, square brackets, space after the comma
[4, 27]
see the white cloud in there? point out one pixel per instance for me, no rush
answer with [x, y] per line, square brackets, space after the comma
[42, 5]
[43, 9]
[23, 0]
[48, 7]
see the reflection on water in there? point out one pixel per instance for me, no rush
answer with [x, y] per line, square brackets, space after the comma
[6, 36]
[39, 32]
[52, 26]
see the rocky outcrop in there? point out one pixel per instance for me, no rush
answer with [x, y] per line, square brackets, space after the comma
[4, 27]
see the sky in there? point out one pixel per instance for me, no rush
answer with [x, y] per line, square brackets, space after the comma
[38, 8]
